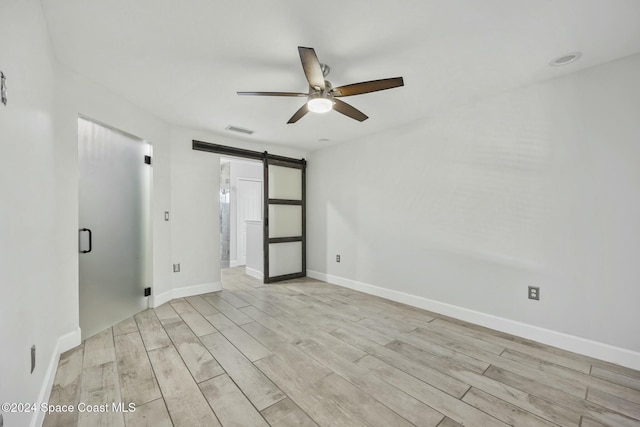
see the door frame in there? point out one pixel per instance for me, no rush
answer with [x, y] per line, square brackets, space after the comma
[275, 160]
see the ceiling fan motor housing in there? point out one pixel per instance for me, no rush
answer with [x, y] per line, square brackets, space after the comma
[320, 93]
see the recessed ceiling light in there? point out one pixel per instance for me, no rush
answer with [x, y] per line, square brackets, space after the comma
[566, 59]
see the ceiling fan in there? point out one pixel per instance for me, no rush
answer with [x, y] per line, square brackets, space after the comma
[322, 96]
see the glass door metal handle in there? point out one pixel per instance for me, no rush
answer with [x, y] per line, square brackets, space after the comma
[90, 243]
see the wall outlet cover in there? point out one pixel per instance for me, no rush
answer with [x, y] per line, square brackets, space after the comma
[534, 293]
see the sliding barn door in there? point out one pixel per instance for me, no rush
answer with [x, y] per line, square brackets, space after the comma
[284, 219]
[284, 225]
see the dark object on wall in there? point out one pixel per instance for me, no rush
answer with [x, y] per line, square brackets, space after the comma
[3, 88]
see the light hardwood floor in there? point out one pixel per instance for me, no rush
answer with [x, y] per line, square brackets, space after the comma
[306, 353]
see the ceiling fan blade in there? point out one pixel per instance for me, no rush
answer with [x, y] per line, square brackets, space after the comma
[349, 111]
[366, 87]
[273, 94]
[298, 115]
[311, 67]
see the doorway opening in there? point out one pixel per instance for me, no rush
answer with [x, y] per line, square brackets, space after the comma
[241, 208]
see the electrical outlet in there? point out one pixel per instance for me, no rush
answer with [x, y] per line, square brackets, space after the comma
[534, 293]
[176, 268]
[166, 215]
[337, 258]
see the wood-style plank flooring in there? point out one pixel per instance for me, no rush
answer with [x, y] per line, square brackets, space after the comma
[306, 353]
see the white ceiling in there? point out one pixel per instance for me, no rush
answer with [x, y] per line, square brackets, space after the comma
[184, 60]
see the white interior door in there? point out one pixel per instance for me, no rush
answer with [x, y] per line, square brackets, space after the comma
[249, 205]
[113, 205]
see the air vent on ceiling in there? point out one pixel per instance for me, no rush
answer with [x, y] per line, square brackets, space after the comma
[239, 129]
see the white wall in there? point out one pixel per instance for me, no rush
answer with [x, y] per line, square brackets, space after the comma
[195, 232]
[537, 186]
[30, 271]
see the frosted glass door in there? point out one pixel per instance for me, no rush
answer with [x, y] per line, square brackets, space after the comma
[284, 225]
[113, 203]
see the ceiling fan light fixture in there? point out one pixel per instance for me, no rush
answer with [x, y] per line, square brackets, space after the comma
[320, 105]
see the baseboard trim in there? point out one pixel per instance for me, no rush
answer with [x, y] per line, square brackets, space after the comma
[598, 350]
[187, 291]
[63, 343]
[253, 273]
[234, 263]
